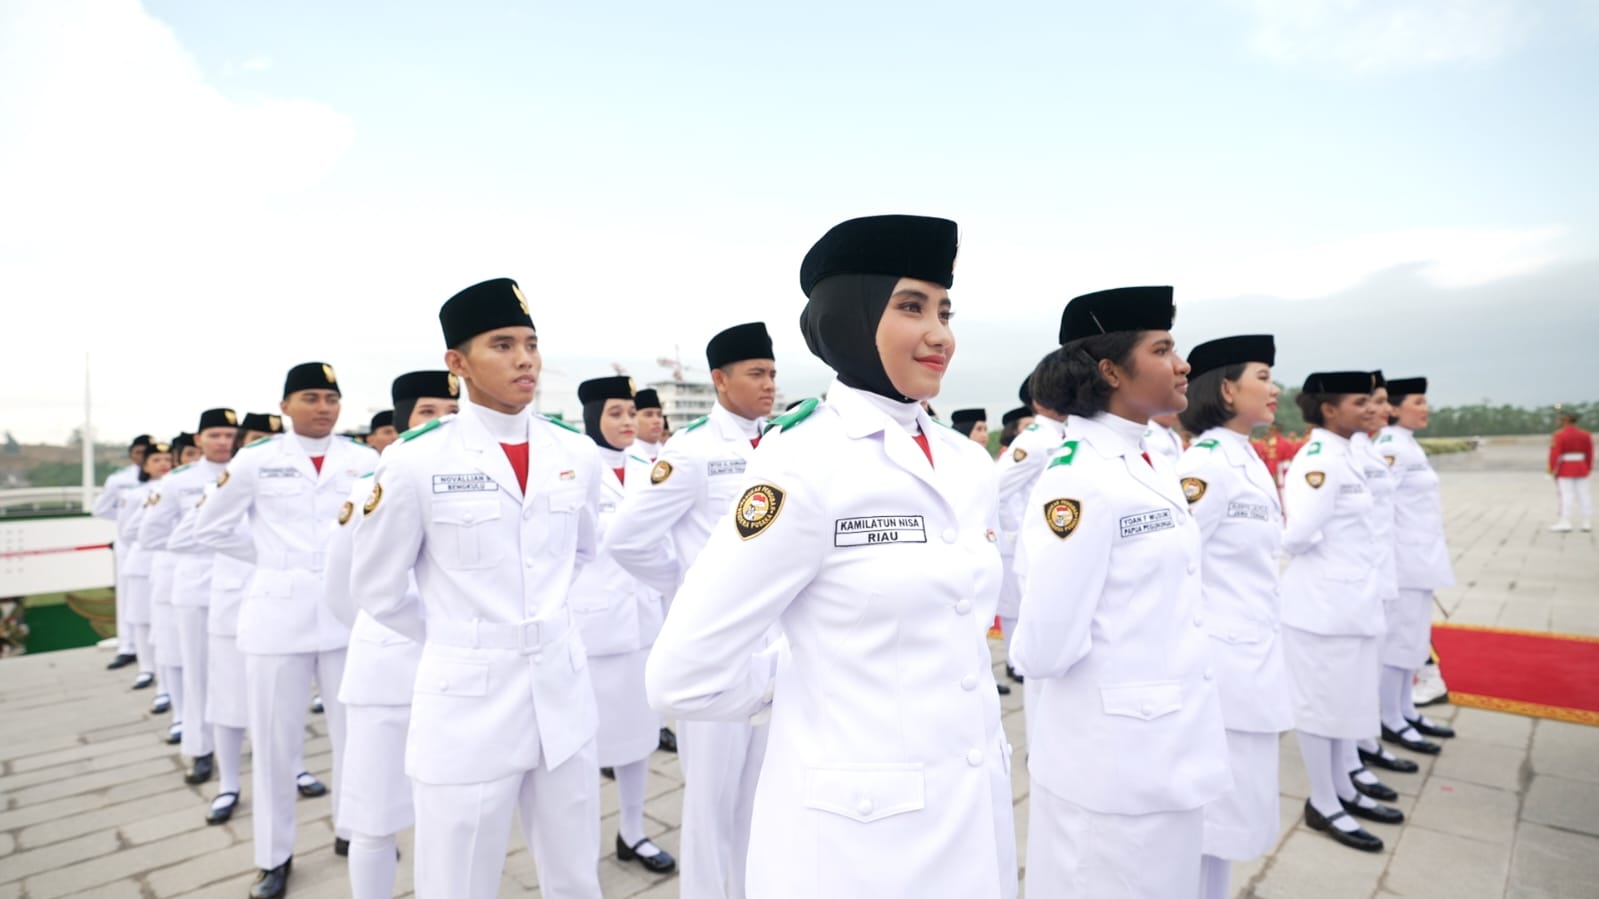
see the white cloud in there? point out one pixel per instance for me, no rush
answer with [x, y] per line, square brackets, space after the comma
[256, 63]
[1379, 35]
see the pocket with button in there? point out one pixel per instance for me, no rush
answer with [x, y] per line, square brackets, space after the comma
[1145, 701]
[452, 677]
[460, 533]
[564, 505]
[866, 793]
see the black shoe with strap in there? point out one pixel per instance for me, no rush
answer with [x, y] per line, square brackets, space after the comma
[1431, 728]
[1382, 814]
[1011, 673]
[222, 814]
[661, 862]
[122, 660]
[1354, 839]
[668, 741]
[311, 788]
[1376, 789]
[1382, 758]
[272, 883]
[1425, 747]
[204, 766]
[1003, 690]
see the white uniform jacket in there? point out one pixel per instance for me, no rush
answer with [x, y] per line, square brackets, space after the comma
[885, 738]
[1382, 483]
[1019, 467]
[293, 511]
[1160, 439]
[1234, 499]
[1330, 586]
[135, 501]
[380, 668]
[109, 500]
[1420, 553]
[692, 485]
[493, 567]
[181, 492]
[1128, 720]
[231, 566]
[615, 611]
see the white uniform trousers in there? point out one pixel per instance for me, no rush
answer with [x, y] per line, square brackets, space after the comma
[1074, 853]
[375, 794]
[721, 766]
[462, 831]
[279, 690]
[119, 556]
[1576, 500]
[192, 647]
[1407, 642]
[225, 695]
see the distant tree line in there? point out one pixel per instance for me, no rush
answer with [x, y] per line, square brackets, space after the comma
[1480, 420]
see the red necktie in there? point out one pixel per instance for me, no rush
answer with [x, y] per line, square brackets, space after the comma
[1149, 461]
[517, 453]
[755, 441]
[316, 462]
[921, 441]
[619, 474]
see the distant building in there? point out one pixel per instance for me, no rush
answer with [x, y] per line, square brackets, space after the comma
[684, 401]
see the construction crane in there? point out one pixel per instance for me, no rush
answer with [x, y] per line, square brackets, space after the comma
[673, 363]
[621, 372]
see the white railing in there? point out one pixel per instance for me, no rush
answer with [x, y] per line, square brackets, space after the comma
[23, 501]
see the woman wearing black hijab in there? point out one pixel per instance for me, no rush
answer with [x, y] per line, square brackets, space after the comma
[868, 533]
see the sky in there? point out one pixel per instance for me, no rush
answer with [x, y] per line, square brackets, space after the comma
[195, 196]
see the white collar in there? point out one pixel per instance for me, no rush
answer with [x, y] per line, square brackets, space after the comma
[504, 428]
[1130, 432]
[750, 428]
[317, 446]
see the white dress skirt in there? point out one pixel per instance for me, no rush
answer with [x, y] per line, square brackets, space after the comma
[1242, 824]
[629, 729]
[1334, 681]
[138, 605]
[1408, 642]
[1075, 853]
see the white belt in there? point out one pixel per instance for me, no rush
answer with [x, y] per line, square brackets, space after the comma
[1574, 457]
[292, 560]
[525, 637]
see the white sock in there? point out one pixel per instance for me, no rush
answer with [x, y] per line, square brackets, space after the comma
[1407, 698]
[223, 799]
[373, 864]
[1318, 755]
[630, 822]
[1007, 627]
[1343, 785]
[1394, 682]
[230, 751]
[1215, 876]
[1350, 758]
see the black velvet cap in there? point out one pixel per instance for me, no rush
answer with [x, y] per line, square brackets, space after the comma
[1407, 386]
[647, 399]
[738, 343]
[217, 418]
[1340, 382]
[384, 419]
[413, 385]
[141, 440]
[1377, 380]
[310, 376]
[265, 422]
[1016, 414]
[154, 447]
[498, 303]
[906, 246]
[602, 389]
[1225, 351]
[961, 416]
[183, 439]
[1025, 394]
[1118, 309]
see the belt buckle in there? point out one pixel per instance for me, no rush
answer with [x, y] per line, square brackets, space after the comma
[527, 637]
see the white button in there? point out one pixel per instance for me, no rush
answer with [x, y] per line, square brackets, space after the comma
[1199, 621]
[1275, 626]
[864, 807]
[467, 517]
[964, 606]
[1145, 709]
[949, 535]
[974, 758]
[538, 658]
[444, 686]
[1193, 569]
[1209, 674]
[527, 563]
[969, 682]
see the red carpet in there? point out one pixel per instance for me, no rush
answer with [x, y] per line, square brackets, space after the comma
[1522, 672]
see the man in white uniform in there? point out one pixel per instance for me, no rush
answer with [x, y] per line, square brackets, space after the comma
[693, 486]
[651, 424]
[494, 510]
[291, 486]
[1019, 468]
[105, 506]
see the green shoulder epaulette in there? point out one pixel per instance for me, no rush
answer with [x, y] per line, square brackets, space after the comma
[1207, 444]
[182, 467]
[259, 440]
[560, 424]
[421, 429]
[367, 475]
[944, 423]
[1031, 427]
[1314, 449]
[696, 423]
[787, 420]
[1386, 438]
[1065, 455]
[637, 459]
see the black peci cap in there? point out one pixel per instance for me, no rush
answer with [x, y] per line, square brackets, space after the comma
[597, 390]
[1407, 386]
[1331, 382]
[217, 418]
[1118, 309]
[647, 399]
[738, 343]
[310, 376]
[1225, 351]
[498, 303]
[907, 246]
[413, 385]
[1015, 415]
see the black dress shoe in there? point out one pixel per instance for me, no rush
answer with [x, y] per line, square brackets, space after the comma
[1378, 791]
[272, 884]
[1003, 690]
[1354, 839]
[317, 707]
[661, 862]
[122, 660]
[1011, 673]
[1389, 761]
[221, 814]
[1425, 747]
[1382, 814]
[160, 704]
[202, 770]
[310, 789]
[608, 773]
[143, 680]
[341, 847]
[668, 740]
[1429, 729]
[174, 735]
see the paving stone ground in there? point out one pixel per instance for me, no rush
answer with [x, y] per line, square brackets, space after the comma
[92, 802]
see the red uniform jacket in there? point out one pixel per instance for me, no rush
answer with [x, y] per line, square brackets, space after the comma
[1571, 453]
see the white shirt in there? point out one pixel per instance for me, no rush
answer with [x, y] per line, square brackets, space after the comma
[1421, 552]
[1329, 586]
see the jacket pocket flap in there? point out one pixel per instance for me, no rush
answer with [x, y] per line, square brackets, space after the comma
[1238, 631]
[452, 677]
[867, 793]
[567, 500]
[1146, 701]
[466, 513]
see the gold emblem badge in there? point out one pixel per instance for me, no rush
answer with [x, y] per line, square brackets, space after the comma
[632, 389]
[1194, 489]
[454, 383]
[154, 498]
[373, 500]
[276, 421]
[1391, 460]
[1063, 516]
[345, 511]
[230, 416]
[521, 298]
[757, 509]
[223, 477]
[327, 372]
[661, 471]
[1315, 479]
[1018, 455]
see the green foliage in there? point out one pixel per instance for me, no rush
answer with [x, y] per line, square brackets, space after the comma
[1480, 420]
[67, 474]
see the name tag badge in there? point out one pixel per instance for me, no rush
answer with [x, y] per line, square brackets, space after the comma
[1376, 472]
[470, 482]
[278, 473]
[1147, 522]
[607, 507]
[1250, 511]
[1351, 488]
[877, 530]
[724, 466]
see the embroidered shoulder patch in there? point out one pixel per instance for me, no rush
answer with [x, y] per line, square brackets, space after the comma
[1315, 478]
[757, 509]
[1194, 489]
[223, 477]
[373, 500]
[184, 467]
[661, 471]
[1018, 454]
[1209, 444]
[1314, 449]
[345, 511]
[793, 416]
[1064, 455]
[1063, 515]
